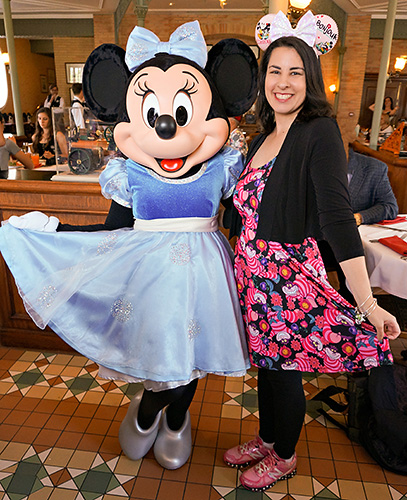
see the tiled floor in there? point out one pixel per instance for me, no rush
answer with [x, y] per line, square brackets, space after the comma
[59, 427]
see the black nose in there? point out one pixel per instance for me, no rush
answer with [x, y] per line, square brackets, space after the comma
[165, 126]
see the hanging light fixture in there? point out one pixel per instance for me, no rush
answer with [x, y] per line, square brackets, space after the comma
[222, 3]
[296, 9]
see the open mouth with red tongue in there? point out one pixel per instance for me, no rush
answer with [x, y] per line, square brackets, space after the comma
[171, 165]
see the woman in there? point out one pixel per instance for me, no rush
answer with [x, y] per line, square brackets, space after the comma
[292, 192]
[388, 107]
[9, 148]
[43, 138]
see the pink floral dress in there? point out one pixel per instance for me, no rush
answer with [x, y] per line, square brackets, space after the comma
[295, 320]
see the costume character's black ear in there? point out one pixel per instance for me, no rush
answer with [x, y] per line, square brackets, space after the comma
[104, 81]
[233, 68]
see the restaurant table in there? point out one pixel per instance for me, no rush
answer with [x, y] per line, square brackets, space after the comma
[387, 269]
[68, 176]
[60, 173]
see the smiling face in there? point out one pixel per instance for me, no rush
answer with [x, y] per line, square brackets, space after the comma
[168, 130]
[285, 83]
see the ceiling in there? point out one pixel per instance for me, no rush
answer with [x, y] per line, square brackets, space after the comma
[86, 8]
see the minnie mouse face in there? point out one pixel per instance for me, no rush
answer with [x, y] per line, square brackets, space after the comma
[168, 108]
[177, 99]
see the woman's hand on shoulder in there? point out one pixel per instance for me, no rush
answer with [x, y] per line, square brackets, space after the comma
[385, 323]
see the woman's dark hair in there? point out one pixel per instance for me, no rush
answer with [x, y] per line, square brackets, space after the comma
[391, 102]
[39, 131]
[315, 103]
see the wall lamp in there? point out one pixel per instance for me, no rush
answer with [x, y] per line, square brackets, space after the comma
[5, 58]
[399, 65]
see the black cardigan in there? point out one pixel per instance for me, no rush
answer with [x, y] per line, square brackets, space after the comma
[306, 193]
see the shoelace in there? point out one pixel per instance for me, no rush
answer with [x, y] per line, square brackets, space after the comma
[266, 464]
[248, 446]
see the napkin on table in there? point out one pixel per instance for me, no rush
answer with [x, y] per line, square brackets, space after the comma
[399, 218]
[395, 243]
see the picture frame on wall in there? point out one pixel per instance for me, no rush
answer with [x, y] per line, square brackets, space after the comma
[43, 84]
[73, 72]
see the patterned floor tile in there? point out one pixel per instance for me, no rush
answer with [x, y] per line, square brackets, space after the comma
[59, 426]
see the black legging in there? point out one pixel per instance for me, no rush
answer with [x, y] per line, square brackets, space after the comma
[281, 409]
[178, 401]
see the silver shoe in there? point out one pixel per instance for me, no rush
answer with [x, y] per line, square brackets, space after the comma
[173, 448]
[135, 441]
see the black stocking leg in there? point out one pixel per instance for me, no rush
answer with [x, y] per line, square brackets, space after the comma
[176, 411]
[179, 400]
[266, 407]
[281, 409]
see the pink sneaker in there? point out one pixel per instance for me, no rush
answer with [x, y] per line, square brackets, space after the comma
[247, 453]
[267, 472]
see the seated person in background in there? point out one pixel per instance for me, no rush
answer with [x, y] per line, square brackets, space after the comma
[372, 200]
[371, 196]
[53, 100]
[237, 139]
[385, 128]
[9, 148]
[43, 138]
[78, 103]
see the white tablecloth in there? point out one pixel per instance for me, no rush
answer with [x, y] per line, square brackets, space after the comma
[71, 177]
[387, 270]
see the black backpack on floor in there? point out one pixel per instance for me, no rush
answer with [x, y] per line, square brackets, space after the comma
[376, 413]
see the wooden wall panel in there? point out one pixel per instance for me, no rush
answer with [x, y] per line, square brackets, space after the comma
[72, 203]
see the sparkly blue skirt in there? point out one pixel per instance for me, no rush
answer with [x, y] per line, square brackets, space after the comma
[159, 306]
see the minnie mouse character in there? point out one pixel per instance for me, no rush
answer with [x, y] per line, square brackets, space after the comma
[150, 295]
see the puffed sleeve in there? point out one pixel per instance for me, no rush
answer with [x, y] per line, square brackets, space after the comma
[233, 167]
[115, 184]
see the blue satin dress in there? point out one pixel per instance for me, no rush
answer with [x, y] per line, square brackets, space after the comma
[157, 306]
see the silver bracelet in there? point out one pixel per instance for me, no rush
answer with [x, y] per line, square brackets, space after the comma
[371, 308]
[364, 302]
[361, 316]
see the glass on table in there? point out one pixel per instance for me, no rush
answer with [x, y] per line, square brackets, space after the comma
[35, 157]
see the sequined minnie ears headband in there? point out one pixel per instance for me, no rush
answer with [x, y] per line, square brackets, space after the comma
[319, 32]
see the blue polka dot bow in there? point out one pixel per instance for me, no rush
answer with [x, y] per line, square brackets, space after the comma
[187, 41]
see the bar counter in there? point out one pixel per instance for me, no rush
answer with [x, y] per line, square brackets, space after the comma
[72, 203]
[397, 171]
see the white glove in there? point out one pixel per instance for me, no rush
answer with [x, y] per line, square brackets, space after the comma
[36, 221]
